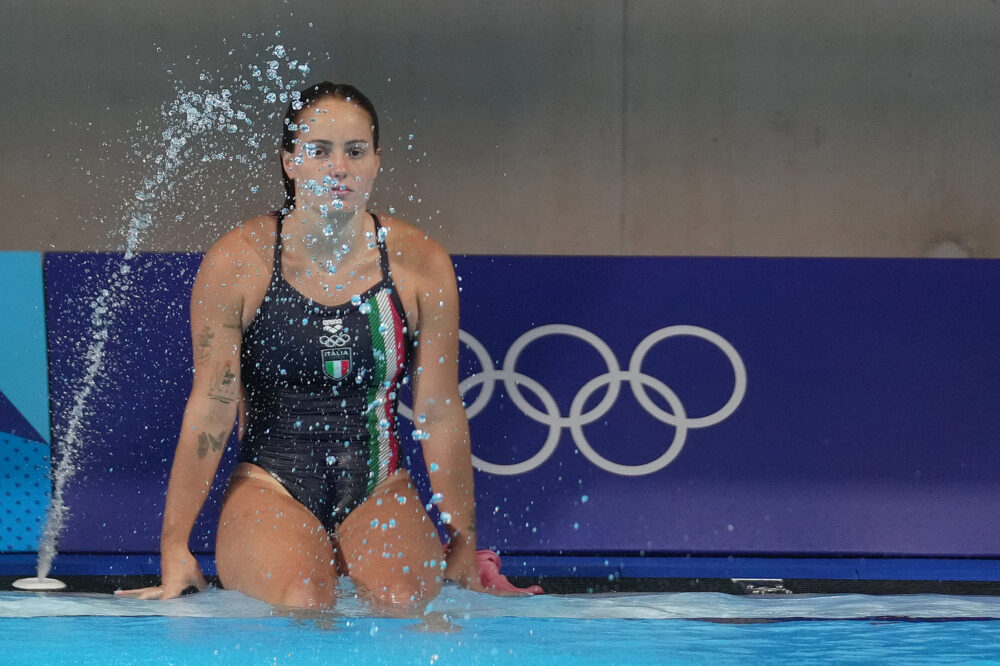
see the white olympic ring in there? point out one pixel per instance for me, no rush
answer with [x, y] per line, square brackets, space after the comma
[613, 378]
[337, 340]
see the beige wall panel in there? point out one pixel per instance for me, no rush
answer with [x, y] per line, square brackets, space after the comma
[514, 108]
[809, 128]
[774, 127]
[517, 105]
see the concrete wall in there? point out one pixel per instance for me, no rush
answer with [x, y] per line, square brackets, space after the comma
[764, 127]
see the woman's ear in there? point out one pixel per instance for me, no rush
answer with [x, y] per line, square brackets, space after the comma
[287, 160]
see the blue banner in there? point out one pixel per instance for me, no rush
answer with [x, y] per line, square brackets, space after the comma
[814, 406]
[625, 405]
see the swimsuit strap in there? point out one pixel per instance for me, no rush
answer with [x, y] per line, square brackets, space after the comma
[276, 268]
[389, 285]
[383, 253]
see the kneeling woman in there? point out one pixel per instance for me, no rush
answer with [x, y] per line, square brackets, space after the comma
[305, 322]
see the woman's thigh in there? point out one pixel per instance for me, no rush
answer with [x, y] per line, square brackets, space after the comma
[272, 548]
[390, 548]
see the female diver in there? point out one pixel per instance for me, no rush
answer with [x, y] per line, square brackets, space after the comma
[305, 322]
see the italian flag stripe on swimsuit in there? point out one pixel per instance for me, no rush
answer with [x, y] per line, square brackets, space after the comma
[386, 334]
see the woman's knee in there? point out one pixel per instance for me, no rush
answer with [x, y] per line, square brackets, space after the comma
[271, 548]
[411, 589]
[316, 591]
[391, 549]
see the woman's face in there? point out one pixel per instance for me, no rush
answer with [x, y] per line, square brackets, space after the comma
[334, 163]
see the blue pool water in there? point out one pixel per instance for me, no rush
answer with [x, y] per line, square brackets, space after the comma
[222, 627]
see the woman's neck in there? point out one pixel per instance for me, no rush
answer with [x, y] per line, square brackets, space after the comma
[330, 240]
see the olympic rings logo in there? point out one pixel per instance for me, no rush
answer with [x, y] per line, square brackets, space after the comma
[339, 340]
[637, 380]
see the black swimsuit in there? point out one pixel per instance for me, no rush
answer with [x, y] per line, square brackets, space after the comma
[321, 387]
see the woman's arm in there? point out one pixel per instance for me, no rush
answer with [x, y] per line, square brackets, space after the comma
[439, 413]
[216, 306]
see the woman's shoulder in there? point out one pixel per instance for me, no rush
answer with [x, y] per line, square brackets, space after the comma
[413, 250]
[250, 242]
[237, 265]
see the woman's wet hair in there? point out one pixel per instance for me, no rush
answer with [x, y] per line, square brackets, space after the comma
[298, 108]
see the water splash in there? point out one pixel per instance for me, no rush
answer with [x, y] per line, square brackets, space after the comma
[210, 123]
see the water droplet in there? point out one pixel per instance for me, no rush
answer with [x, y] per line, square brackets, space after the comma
[365, 308]
[585, 498]
[355, 300]
[436, 498]
[445, 518]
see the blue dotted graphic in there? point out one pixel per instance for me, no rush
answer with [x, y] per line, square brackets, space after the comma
[24, 492]
[24, 404]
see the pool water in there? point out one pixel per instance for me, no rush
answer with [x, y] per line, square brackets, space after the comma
[223, 627]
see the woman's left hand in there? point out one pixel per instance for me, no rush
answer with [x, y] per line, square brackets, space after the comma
[461, 559]
[479, 571]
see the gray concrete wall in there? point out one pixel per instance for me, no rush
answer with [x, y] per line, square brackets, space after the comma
[763, 127]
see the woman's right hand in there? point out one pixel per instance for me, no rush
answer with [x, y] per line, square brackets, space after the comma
[179, 571]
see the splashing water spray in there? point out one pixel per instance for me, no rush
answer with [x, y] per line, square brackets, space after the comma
[198, 126]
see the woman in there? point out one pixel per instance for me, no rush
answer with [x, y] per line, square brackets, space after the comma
[305, 322]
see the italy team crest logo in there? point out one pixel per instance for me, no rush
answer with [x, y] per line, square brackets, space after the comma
[336, 363]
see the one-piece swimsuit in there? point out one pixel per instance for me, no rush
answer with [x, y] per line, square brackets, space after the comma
[321, 387]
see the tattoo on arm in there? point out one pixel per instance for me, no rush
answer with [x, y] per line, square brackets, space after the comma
[225, 388]
[205, 343]
[206, 441]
